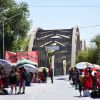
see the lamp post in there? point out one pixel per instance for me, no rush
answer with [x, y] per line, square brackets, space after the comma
[3, 22]
[3, 41]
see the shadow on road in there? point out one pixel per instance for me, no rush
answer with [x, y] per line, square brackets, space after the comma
[60, 79]
[78, 96]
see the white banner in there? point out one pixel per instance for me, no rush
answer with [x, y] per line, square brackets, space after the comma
[52, 48]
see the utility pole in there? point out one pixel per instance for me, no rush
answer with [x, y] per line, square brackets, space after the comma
[3, 31]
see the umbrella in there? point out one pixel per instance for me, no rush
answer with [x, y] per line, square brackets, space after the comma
[95, 67]
[6, 64]
[30, 68]
[83, 65]
[25, 61]
[40, 69]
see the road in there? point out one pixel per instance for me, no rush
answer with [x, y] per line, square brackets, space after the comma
[59, 90]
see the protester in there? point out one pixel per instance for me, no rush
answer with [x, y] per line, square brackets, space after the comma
[51, 74]
[2, 90]
[31, 76]
[75, 76]
[34, 79]
[98, 80]
[3, 73]
[40, 77]
[13, 80]
[70, 74]
[94, 87]
[27, 79]
[44, 75]
[1, 83]
[22, 78]
[87, 80]
[80, 82]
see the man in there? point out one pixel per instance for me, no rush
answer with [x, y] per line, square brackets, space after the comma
[70, 74]
[51, 74]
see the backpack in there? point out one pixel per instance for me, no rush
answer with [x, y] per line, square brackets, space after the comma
[95, 93]
[86, 93]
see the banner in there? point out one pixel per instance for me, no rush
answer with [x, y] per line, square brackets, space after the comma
[33, 58]
[13, 57]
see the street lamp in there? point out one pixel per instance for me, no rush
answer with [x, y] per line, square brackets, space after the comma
[3, 22]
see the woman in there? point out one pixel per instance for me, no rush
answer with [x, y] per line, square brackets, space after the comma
[13, 80]
[88, 80]
[75, 76]
[3, 77]
[22, 78]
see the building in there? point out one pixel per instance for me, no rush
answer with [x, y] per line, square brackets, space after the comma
[83, 45]
[58, 47]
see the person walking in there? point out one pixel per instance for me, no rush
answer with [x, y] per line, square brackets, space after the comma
[51, 74]
[44, 75]
[70, 74]
[75, 76]
[80, 82]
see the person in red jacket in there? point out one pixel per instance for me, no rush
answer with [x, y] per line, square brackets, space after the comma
[87, 81]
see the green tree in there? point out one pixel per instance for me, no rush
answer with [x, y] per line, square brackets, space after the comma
[15, 28]
[23, 45]
[91, 54]
[96, 40]
[88, 55]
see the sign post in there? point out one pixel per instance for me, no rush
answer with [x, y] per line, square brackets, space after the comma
[49, 48]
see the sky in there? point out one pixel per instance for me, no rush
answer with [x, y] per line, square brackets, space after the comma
[65, 14]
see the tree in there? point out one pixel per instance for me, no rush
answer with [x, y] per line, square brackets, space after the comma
[88, 55]
[91, 54]
[23, 45]
[96, 40]
[15, 28]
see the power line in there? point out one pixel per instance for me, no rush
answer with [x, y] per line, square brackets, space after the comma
[93, 26]
[65, 6]
[90, 26]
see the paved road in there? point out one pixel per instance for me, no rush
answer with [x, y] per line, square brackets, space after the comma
[59, 90]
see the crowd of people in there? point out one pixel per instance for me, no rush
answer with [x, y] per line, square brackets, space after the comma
[85, 80]
[41, 77]
[16, 77]
[19, 77]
